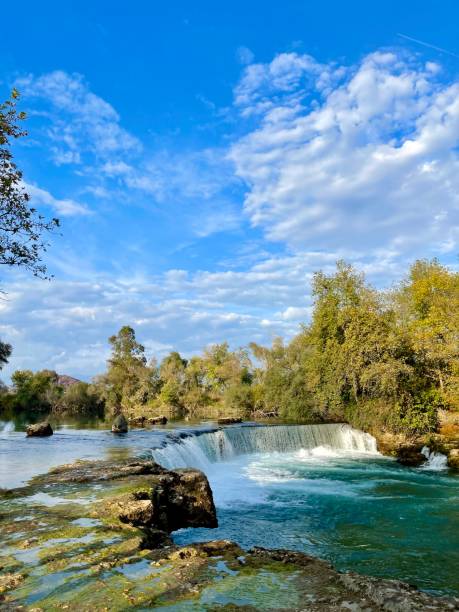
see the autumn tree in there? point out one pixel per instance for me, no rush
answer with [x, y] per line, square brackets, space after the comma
[428, 303]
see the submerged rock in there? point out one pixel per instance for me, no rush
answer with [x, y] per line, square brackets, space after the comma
[159, 420]
[138, 421]
[39, 430]
[229, 420]
[120, 424]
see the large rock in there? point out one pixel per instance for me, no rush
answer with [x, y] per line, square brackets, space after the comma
[177, 499]
[39, 430]
[120, 425]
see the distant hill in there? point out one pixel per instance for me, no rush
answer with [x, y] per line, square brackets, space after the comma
[66, 381]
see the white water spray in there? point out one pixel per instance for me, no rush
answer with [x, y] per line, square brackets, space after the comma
[202, 449]
[6, 427]
[435, 461]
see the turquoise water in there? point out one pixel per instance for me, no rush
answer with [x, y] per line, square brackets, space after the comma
[369, 515]
[338, 500]
[318, 489]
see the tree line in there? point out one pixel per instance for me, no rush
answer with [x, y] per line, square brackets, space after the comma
[386, 360]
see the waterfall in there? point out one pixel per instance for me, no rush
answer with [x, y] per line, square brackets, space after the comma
[435, 461]
[6, 427]
[204, 448]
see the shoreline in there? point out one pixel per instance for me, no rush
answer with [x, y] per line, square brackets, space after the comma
[85, 529]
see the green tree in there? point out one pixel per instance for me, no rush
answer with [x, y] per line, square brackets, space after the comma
[129, 381]
[21, 227]
[363, 366]
[80, 399]
[35, 392]
[281, 381]
[428, 303]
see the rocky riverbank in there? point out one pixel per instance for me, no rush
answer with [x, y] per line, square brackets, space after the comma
[96, 536]
[409, 450]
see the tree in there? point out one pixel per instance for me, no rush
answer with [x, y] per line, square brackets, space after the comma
[429, 309]
[5, 352]
[129, 381]
[21, 227]
[80, 399]
[364, 366]
[35, 391]
[281, 381]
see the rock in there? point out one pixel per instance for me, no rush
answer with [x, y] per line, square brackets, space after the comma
[229, 420]
[138, 513]
[9, 582]
[120, 425]
[410, 455]
[176, 500]
[100, 471]
[39, 430]
[155, 538]
[453, 459]
[159, 420]
[137, 421]
[160, 500]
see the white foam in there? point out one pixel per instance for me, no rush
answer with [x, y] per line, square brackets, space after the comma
[435, 461]
[202, 450]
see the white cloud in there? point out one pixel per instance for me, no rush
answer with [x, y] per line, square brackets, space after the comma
[79, 120]
[244, 55]
[356, 162]
[65, 207]
[359, 157]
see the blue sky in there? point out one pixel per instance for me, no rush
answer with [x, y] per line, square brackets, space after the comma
[206, 158]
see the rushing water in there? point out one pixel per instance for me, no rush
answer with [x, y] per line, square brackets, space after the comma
[322, 489]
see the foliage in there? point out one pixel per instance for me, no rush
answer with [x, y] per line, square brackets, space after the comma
[129, 381]
[429, 309]
[80, 399]
[21, 227]
[37, 392]
[5, 352]
[239, 398]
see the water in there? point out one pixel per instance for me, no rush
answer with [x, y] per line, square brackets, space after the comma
[321, 489]
[21, 458]
[326, 491]
[209, 447]
[435, 461]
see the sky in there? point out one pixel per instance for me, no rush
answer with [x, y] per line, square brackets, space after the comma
[206, 158]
